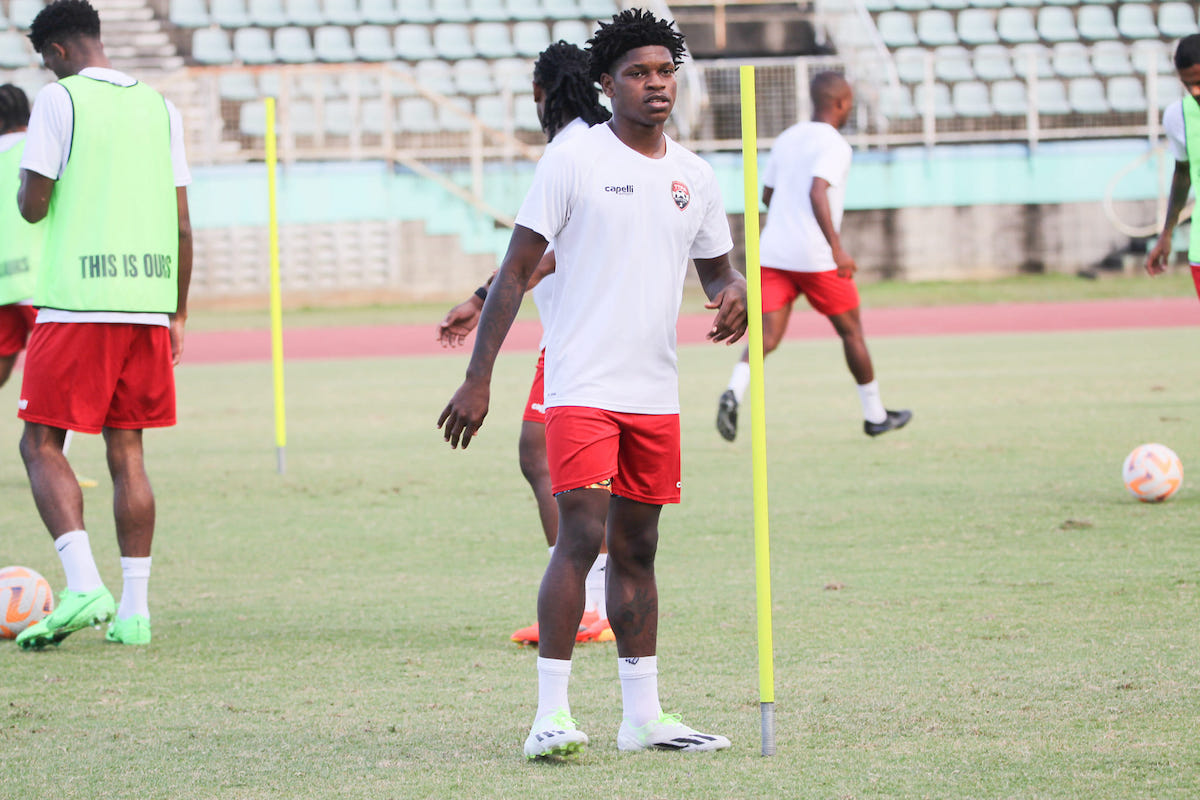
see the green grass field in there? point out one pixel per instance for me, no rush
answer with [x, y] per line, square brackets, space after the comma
[970, 608]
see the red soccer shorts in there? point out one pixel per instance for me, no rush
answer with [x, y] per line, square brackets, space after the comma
[1195, 280]
[535, 409]
[639, 452]
[88, 376]
[16, 322]
[826, 292]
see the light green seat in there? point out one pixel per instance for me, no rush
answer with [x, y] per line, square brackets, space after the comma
[293, 46]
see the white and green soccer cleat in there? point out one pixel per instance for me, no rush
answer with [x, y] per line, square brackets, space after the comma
[132, 630]
[554, 735]
[668, 733]
[75, 611]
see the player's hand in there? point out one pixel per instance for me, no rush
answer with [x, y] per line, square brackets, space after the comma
[459, 321]
[462, 416]
[845, 264]
[731, 319]
[1156, 261]
[176, 330]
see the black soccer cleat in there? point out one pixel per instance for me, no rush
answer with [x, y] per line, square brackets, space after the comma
[727, 408]
[895, 421]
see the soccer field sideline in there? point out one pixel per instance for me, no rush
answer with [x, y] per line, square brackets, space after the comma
[209, 347]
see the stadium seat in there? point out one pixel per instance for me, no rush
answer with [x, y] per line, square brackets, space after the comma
[561, 9]
[1096, 24]
[530, 38]
[492, 111]
[22, 12]
[375, 116]
[875, 6]
[524, 9]
[401, 79]
[252, 117]
[268, 13]
[211, 46]
[268, 84]
[1052, 98]
[936, 27]
[338, 119]
[896, 103]
[952, 63]
[1086, 96]
[975, 26]
[185, 14]
[514, 74]
[1111, 58]
[473, 77]
[598, 9]
[13, 51]
[360, 83]
[950, 5]
[492, 40]
[987, 3]
[342, 12]
[1176, 20]
[298, 118]
[1125, 94]
[451, 11]
[1036, 54]
[970, 99]
[413, 43]
[1136, 21]
[379, 12]
[1150, 56]
[912, 5]
[452, 120]
[943, 108]
[1070, 60]
[436, 76]
[911, 63]
[993, 63]
[896, 28]
[293, 46]
[237, 86]
[415, 11]
[452, 41]
[1030, 3]
[1169, 89]
[1015, 26]
[1056, 24]
[305, 13]
[373, 43]
[230, 13]
[316, 84]
[253, 46]
[574, 31]
[1009, 98]
[487, 10]
[417, 115]
[331, 44]
[525, 116]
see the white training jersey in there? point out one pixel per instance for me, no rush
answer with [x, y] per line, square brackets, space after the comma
[792, 239]
[48, 148]
[543, 292]
[623, 226]
[1173, 127]
[7, 142]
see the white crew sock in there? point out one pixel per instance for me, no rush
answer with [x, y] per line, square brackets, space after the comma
[639, 689]
[75, 550]
[135, 594]
[740, 380]
[594, 587]
[553, 676]
[872, 405]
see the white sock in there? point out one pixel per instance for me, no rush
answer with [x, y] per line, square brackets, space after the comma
[594, 587]
[639, 689]
[872, 405]
[75, 550]
[553, 676]
[135, 594]
[739, 380]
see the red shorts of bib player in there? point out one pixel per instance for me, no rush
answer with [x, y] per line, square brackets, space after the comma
[89, 376]
[16, 321]
[635, 456]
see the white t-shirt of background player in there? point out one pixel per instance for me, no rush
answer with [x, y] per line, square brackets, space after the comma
[624, 226]
[7, 142]
[1174, 129]
[48, 147]
[544, 291]
[792, 239]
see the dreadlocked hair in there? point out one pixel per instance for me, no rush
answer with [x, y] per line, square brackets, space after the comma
[62, 20]
[14, 108]
[563, 72]
[629, 30]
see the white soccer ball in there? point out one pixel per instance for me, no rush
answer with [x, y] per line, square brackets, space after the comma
[1152, 472]
[25, 597]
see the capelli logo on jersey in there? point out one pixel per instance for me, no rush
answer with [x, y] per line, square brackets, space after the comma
[626, 189]
[680, 194]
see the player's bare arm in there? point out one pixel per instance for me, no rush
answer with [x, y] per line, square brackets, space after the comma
[463, 415]
[726, 291]
[184, 274]
[33, 197]
[1181, 183]
[818, 195]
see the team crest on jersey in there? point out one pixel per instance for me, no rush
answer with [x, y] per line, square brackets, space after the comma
[680, 194]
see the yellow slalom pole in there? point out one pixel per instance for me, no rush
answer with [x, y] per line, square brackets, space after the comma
[758, 420]
[276, 300]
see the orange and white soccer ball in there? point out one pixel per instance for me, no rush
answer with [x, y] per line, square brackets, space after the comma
[25, 597]
[1152, 472]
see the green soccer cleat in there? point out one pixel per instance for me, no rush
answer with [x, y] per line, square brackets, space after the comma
[75, 611]
[133, 630]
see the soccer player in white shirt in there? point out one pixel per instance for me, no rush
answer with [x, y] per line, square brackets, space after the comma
[801, 250]
[626, 207]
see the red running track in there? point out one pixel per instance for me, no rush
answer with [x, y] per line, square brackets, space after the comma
[207, 347]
